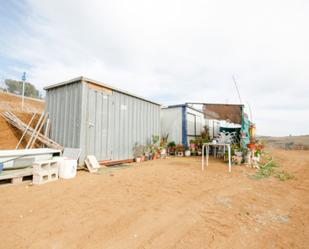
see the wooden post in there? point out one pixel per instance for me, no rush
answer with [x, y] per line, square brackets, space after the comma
[36, 127]
[38, 131]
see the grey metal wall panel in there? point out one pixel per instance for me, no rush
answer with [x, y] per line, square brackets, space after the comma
[64, 107]
[171, 124]
[97, 124]
[119, 123]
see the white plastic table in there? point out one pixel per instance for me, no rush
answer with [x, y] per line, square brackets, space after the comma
[207, 145]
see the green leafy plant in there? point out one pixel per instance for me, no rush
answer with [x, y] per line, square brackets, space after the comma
[283, 176]
[265, 171]
[147, 149]
[138, 150]
[269, 169]
[171, 147]
[163, 142]
[155, 139]
[205, 134]
[171, 144]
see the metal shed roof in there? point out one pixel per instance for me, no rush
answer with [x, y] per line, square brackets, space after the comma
[84, 79]
[181, 105]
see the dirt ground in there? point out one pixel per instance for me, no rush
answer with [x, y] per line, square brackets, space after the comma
[9, 136]
[162, 204]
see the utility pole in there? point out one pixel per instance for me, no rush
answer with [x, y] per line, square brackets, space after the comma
[23, 93]
[237, 89]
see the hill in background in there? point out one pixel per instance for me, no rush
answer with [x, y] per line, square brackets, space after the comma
[10, 136]
[287, 142]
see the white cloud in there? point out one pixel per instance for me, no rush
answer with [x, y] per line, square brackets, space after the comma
[177, 51]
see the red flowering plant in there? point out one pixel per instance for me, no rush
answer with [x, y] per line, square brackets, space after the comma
[193, 147]
[258, 149]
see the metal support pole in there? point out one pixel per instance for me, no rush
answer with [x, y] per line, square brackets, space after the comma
[207, 154]
[230, 164]
[203, 147]
[23, 92]
[23, 97]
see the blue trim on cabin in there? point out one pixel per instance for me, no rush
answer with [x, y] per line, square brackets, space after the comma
[174, 106]
[184, 126]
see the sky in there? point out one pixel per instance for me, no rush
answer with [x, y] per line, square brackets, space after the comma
[170, 51]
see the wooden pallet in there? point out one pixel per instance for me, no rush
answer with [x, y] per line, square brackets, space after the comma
[16, 176]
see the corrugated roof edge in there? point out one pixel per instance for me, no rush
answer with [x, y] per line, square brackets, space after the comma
[82, 78]
[180, 105]
[198, 103]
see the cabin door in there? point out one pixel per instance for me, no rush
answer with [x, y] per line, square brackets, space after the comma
[98, 124]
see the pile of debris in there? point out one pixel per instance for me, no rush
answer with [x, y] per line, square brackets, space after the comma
[21, 164]
[34, 133]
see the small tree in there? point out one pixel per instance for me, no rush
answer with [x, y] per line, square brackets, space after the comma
[14, 86]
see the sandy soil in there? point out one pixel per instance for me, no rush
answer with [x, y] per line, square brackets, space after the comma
[162, 204]
[9, 136]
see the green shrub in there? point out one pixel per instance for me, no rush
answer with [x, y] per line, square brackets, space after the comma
[283, 176]
[269, 169]
[265, 171]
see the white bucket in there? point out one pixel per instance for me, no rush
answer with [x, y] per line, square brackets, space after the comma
[67, 167]
[187, 153]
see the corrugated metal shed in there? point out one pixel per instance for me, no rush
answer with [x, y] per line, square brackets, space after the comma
[171, 124]
[181, 123]
[101, 120]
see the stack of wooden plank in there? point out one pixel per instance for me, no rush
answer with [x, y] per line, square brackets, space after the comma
[33, 133]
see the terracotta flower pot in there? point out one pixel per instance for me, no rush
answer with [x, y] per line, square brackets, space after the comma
[251, 146]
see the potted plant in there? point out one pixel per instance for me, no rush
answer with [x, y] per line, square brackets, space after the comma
[193, 147]
[154, 152]
[143, 157]
[147, 152]
[179, 150]
[163, 145]
[137, 152]
[154, 146]
[171, 148]
[251, 146]
[155, 139]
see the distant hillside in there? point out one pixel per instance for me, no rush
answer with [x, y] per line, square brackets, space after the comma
[287, 142]
[9, 136]
[12, 102]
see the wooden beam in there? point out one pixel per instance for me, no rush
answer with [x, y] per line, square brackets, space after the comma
[114, 162]
[25, 131]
